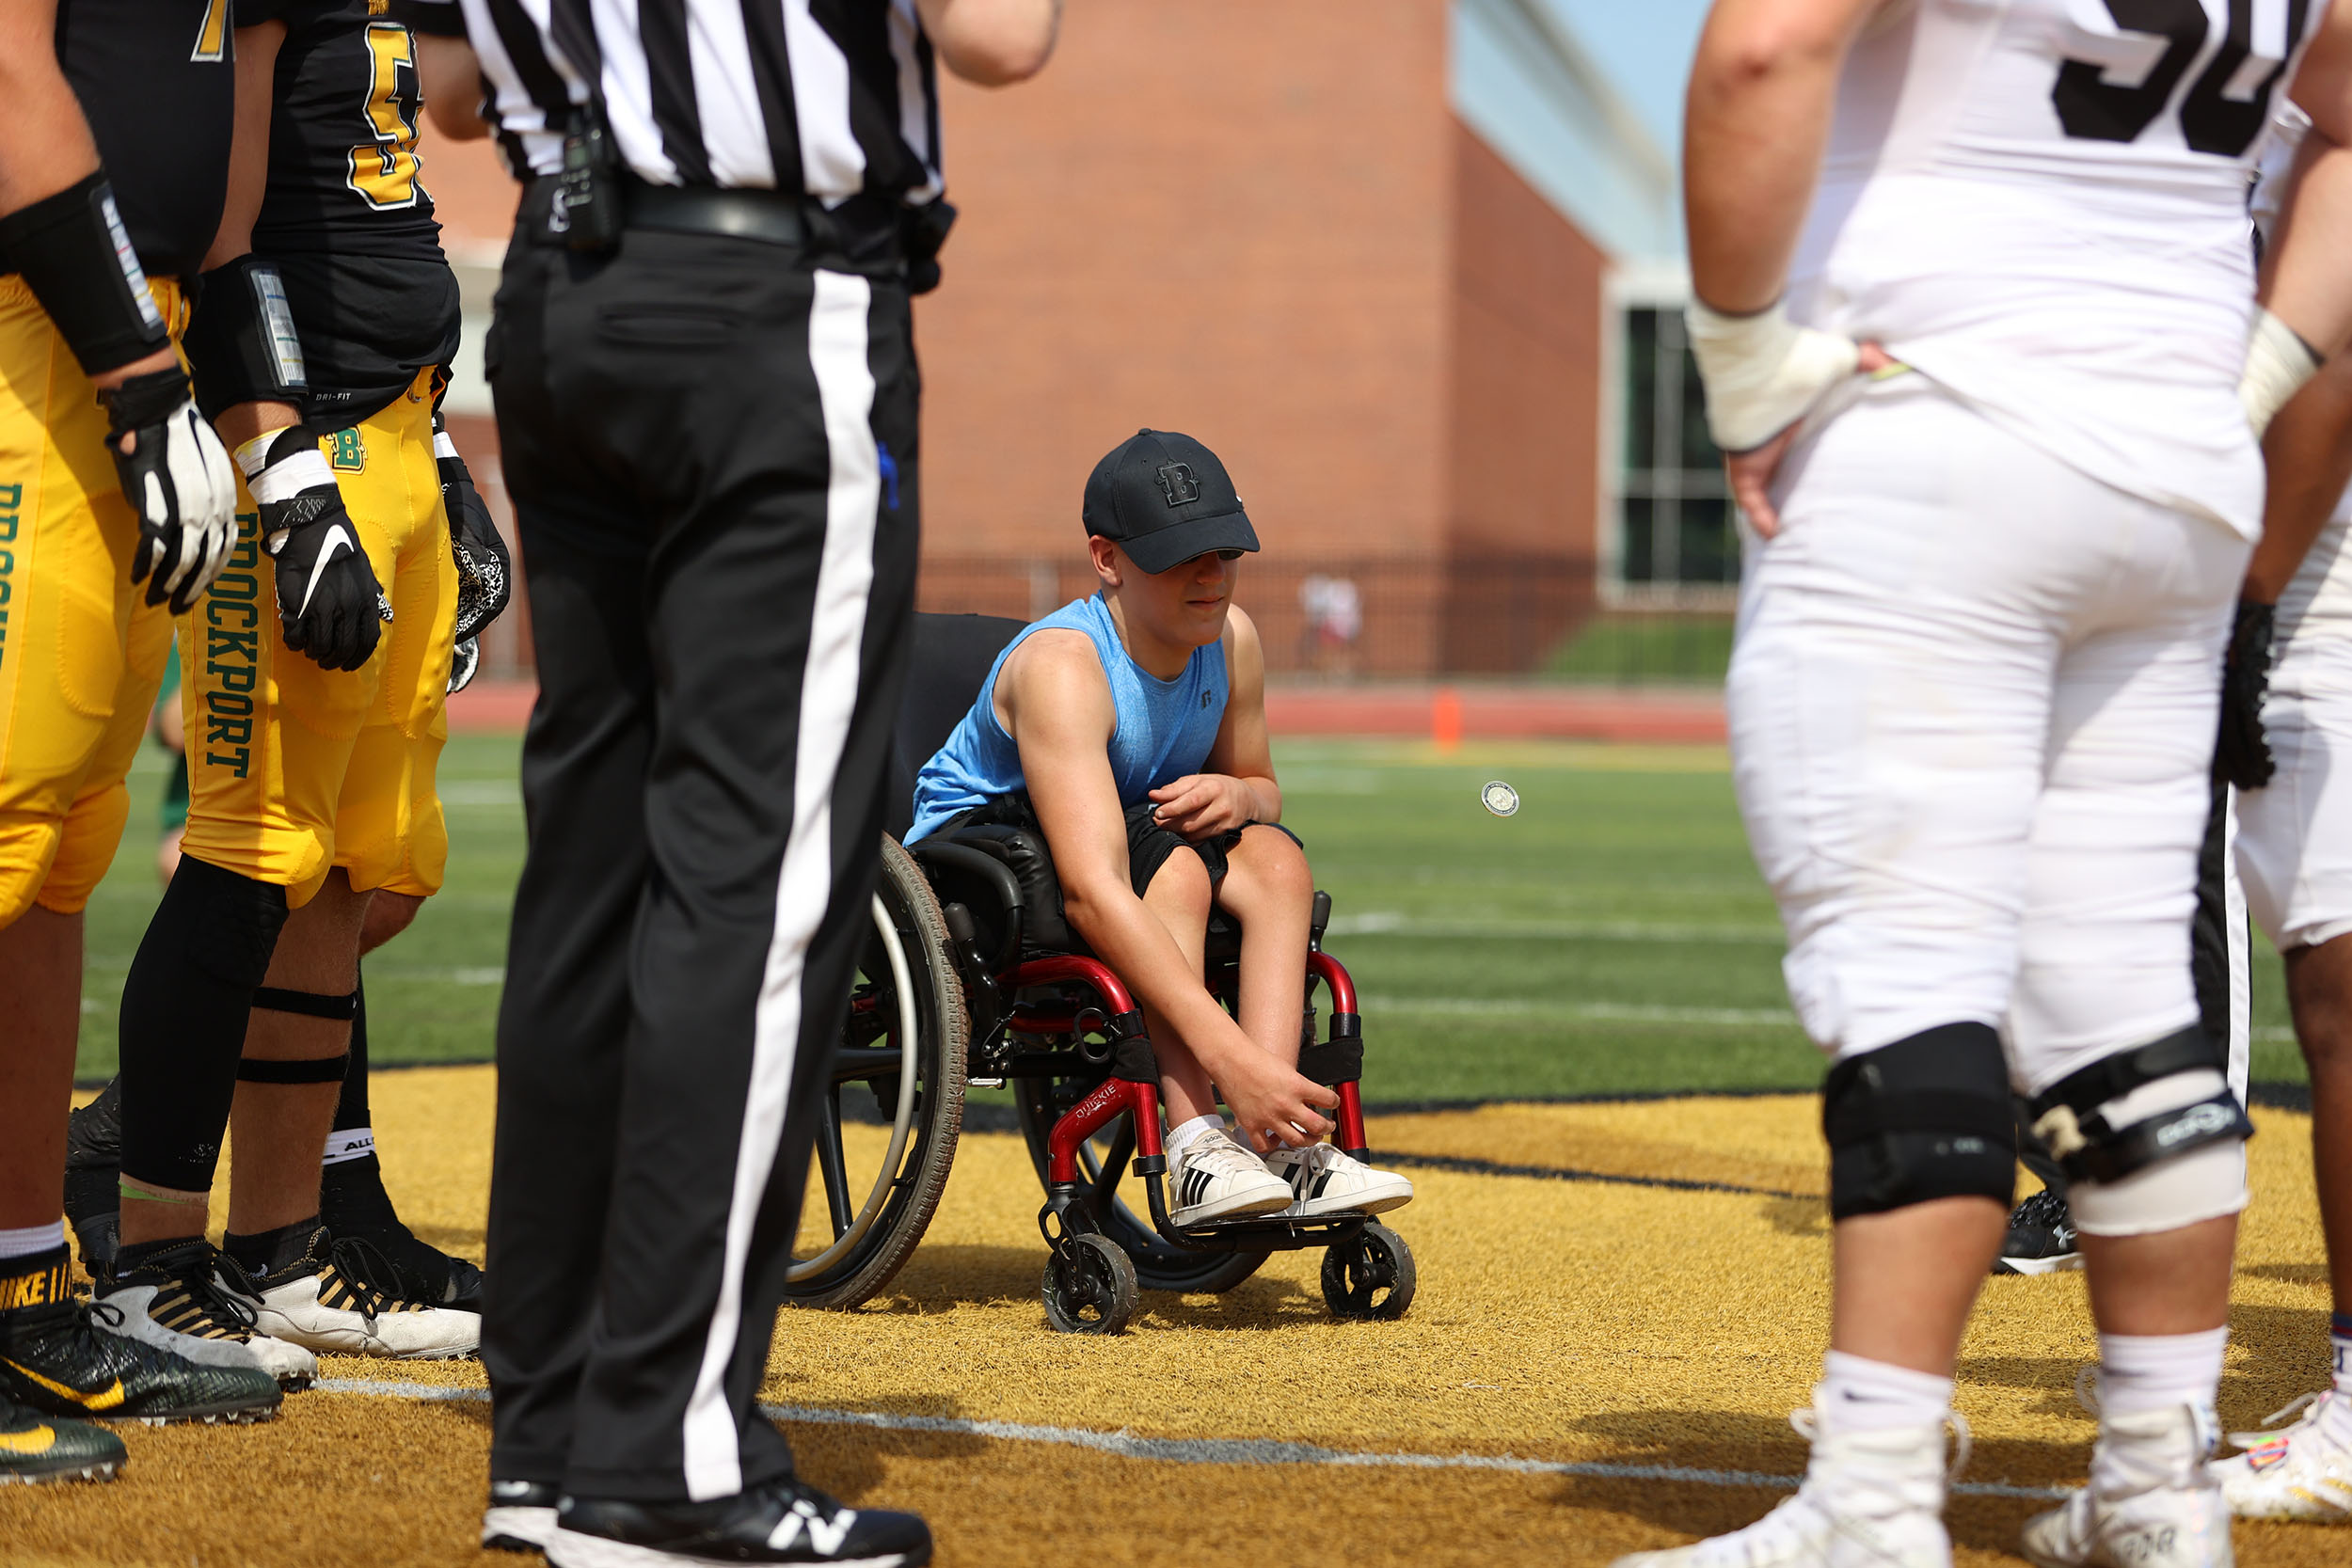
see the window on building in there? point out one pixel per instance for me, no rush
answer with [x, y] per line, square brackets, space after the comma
[1675, 511]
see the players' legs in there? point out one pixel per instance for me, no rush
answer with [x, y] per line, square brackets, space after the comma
[1180, 896]
[764, 806]
[1268, 888]
[1889, 697]
[2296, 852]
[2131, 1091]
[291, 1074]
[41, 973]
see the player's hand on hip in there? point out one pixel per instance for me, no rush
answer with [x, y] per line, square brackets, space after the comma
[1273, 1106]
[1202, 805]
[178, 482]
[330, 607]
[1753, 474]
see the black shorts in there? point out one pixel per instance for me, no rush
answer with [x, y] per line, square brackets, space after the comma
[1148, 845]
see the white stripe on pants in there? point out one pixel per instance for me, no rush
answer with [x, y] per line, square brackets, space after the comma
[845, 384]
[1971, 710]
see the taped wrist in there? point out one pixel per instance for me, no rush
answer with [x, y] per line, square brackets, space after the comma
[280, 466]
[2278, 362]
[1924, 1119]
[75, 256]
[1762, 372]
[240, 339]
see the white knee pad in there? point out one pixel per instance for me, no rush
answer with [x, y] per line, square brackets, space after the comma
[2167, 1192]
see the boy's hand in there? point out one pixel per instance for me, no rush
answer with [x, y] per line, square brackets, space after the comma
[1202, 805]
[1273, 1107]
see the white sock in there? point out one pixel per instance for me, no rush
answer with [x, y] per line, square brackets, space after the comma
[1861, 1395]
[1181, 1134]
[2157, 1371]
[351, 1143]
[32, 1239]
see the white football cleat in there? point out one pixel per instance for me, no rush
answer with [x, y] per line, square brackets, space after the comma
[2151, 1501]
[2302, 1472]
[334, 1298]
[1213, 1178]
[1870, 1499]
[521, 1516]
[177, 1301]
[1323, 1180]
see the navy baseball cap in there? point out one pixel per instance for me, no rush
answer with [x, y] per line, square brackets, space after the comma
[1164, 498]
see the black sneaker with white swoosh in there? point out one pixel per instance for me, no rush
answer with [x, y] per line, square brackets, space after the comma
[55, 1360]
[784, 1521]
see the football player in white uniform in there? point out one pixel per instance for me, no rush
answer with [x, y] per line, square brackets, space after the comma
[1974, 312]
[2294, 854]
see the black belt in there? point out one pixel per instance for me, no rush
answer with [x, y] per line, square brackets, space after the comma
[863, 234]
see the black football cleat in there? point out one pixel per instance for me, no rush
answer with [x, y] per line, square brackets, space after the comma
[36, 1447]
[93, 1176]
[60, 1356]
[353, 1203]
[784, 1521]
[2040, 1237]
[521, 1516]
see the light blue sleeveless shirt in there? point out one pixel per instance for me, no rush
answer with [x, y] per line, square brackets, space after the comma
[1164, 731]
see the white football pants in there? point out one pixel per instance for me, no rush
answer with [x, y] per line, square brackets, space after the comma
[1972, 707]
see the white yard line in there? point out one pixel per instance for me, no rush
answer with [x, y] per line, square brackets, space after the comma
[1210, 1450]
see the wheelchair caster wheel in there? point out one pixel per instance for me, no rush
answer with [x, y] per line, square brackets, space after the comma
[1090, 1286]
[1369, 1275]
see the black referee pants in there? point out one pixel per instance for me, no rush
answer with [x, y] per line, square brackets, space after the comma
[712, 456]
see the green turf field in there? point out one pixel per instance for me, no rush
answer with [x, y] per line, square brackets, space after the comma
[1611, 936]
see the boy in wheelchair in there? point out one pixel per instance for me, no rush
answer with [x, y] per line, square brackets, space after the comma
[1129, 729]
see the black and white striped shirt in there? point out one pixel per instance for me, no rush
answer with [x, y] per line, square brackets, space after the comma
[828, 98]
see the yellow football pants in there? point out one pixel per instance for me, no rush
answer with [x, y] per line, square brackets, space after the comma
[82, 652]
[293, 770]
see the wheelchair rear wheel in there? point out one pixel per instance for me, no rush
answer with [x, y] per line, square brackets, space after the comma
[902, 1054]
[1102, 1166]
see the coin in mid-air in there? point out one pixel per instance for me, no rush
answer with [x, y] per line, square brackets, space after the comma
[1499, 798]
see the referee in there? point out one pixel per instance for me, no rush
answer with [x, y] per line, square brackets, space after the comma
[706, 398]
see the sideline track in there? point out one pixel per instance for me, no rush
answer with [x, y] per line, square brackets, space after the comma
[1208, 1451]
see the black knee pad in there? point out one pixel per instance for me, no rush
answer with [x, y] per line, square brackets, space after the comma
[1924, 1119]
[2068, 1115]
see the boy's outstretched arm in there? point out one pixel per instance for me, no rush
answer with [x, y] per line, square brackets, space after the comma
[1238, 787]
[1058, 709]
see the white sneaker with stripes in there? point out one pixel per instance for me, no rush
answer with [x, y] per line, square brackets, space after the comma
[1213, 1178]
[2301, 1472]
[1323, 1179]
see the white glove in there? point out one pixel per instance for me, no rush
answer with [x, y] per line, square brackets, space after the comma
[2278, 362]
[1763, 373]
[178, 480]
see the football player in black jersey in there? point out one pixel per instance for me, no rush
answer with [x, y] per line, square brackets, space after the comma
[313, 741]
[115, 513]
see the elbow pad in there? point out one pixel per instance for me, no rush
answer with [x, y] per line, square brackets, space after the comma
[75, 256]
[1763, 373]
[240, 340]
[2278, 362]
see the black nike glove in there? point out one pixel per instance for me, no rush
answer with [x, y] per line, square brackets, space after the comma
[484, 572]
[178, 480]
[329, 605]
[2241, 753]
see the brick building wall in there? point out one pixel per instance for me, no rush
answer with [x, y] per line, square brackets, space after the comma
[1259, 222]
